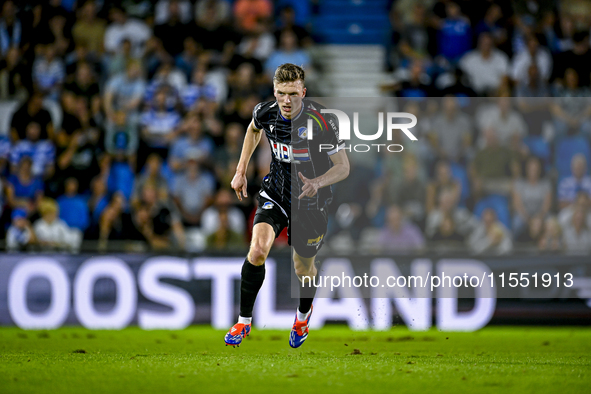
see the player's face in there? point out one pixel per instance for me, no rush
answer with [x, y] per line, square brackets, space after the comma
[289, 95]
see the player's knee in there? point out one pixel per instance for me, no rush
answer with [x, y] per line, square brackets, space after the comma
[258, 254]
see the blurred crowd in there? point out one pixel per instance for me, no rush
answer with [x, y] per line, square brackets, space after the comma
[125, 119]
[491, 175]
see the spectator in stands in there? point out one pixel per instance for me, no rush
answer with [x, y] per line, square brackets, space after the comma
[53, 233]
[464, 223]
[447, 233]
[288, 52]
[164, 10]
[534, 231]
[11, 29]
[194, 143]
[486, 66]
[492, 167]
[15, 81]
[124, 92]
[442, 182]
[49, 73]
[247, 13]
[73, 207]
[398, 234]
[287, 21]
[85, 86]
[414, 36]
[579, 181]
[451, 132]
[97, 203]
[230, 150]
[189, 56]
[503, 119]
[551, 239]
[578, 58]
[571, 109]
[533, 86]
[217, 39]
[114, 223]
[169, 79]
[492, 23]
[23, 189]
[410, 82]
[576, 235]
[121, 139]
[583, 203]
[454, 36]
[88, 29]
[20, 235]
[124, 28]
[531, 196]
[210, 220]
[42, 152]
[152, 174]
[31, 111]
[217, 10]
[174, 30]
[491, 236]
[258, 45]
[224, 238]
[159, 126]
[192, 191]
[532, 54]
[198, 90]
[157, 220]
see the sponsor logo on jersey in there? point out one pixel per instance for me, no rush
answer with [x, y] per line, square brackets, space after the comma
[271, 127]
[315, 241]
[268, 205]
[286, 153]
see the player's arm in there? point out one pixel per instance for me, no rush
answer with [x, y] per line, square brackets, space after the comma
[338, 172]
[251, 140]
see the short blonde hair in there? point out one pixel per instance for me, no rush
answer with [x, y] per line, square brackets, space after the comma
[289, 72]
[47, 205]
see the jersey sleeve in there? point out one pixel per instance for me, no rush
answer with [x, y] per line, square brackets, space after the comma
[331, 134]
[256, 116]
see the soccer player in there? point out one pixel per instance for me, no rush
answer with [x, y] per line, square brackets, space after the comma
[300, 167]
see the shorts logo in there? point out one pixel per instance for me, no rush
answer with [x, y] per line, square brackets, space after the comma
[315, 241]
[303, 132]
[268, 205]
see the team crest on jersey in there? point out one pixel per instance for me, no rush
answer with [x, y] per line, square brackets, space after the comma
[268, 205]
[303, 132]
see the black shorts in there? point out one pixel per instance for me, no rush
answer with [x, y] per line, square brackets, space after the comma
[306, 230]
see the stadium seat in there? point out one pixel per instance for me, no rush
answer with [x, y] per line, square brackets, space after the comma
[566, 150]
[539, 147]
[498, 203]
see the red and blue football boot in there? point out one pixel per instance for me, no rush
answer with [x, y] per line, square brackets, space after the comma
[299, 331]
[236, 334]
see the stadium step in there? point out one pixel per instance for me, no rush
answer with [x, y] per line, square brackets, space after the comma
[351, 70]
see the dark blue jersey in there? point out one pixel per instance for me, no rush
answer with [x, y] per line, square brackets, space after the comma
[293, 152]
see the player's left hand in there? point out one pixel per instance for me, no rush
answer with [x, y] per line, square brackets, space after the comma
[310, 187]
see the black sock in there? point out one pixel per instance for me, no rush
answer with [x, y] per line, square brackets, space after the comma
[252, 280]
[307, 293]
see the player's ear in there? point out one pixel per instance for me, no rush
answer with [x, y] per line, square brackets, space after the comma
[304, 92]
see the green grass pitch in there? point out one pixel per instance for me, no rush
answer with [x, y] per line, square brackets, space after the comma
[334, 359]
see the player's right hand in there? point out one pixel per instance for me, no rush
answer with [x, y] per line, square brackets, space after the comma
[239, 185]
